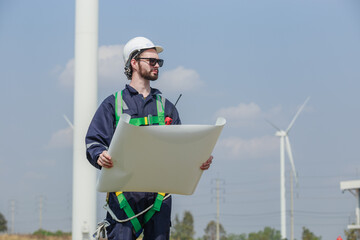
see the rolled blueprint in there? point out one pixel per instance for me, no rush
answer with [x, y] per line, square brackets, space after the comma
[158, 158]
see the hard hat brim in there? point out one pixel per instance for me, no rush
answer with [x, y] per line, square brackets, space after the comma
[159, 49]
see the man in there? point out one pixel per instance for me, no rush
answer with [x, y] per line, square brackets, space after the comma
[142, 103]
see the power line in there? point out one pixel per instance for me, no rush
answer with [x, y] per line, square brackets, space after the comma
[275, 213]
[251, 214]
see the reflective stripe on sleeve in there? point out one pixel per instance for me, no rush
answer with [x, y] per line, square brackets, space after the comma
[95, 143]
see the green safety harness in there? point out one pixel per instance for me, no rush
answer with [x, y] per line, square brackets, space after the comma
[149, 120]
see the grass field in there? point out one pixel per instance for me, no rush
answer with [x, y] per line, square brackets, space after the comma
[32, 237]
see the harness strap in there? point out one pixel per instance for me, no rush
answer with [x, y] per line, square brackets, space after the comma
[118, 106]
[124, 204]
[157, 205]
[149, 120]
[160, 104]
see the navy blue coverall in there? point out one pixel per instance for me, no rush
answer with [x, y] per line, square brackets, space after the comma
[98, 138]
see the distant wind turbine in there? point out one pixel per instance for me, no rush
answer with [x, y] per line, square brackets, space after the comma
[68, 122]
[285, 144]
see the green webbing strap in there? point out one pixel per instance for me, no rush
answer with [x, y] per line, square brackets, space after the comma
[157, 205]
[145, 120]
[118, 109]
[159, 119]
[124, 204]
[160, 110]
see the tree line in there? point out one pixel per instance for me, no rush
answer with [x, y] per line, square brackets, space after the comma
[184, 230]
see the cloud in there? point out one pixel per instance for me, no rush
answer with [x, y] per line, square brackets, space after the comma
[66, 77]
[111, 72]
[61, 139]
[110, 67]
[243, 112]
[180, 79]
[246, 114]
[238, 148]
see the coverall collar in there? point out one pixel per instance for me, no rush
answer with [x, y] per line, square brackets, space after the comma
[133, 91]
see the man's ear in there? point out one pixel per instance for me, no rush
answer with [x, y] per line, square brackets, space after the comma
[133, 63]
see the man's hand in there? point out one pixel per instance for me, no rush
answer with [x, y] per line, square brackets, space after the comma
[206, 165]
[104, 160]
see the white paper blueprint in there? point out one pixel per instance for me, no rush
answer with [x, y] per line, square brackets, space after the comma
[157, 158]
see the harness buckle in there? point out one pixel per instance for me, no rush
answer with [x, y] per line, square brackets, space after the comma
[149, 117]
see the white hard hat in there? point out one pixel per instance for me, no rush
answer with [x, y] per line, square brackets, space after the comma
[137, 44]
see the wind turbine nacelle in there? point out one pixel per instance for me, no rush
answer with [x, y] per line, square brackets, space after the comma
[280, 134]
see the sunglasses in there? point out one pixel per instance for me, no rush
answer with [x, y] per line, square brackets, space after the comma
[153, 61]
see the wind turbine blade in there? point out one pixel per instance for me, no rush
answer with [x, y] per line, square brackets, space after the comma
[297, 114]
[68, 121]
[274, 126]
[288, 149]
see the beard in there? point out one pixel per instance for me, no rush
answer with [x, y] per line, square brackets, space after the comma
[148, 75]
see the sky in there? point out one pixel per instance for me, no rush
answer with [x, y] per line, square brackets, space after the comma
[248, 61]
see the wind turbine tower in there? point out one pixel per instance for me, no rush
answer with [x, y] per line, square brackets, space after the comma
[285, 145]
[85, 103]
